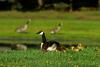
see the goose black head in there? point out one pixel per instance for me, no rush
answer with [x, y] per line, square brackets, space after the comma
[40, 33]
[60, 24]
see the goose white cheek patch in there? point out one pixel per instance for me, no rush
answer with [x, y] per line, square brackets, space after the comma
[41, 33]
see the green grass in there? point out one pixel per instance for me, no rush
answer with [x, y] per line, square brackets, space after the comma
[72, 30]
[30, 58]
[77, 27]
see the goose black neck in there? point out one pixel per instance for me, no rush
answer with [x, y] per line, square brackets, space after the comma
[43, 38]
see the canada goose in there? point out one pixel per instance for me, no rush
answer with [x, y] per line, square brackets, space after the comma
[23, 28]
[77, 47]
[18, 47]
[49, 45]
[56, 29]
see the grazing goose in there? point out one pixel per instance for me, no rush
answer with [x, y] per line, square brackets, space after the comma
[19, 47]
[49, 45]
[56, 29]
[23, 28]
[77, 47]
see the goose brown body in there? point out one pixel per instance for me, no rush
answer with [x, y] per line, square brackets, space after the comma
[18, 47]
[23, 28]
[56, 29]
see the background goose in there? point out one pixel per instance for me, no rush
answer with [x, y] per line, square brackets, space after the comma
[18, 47]
[49, 45]
[56, 29]
[23, 28]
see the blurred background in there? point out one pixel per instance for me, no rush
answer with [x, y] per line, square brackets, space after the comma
[36, 5]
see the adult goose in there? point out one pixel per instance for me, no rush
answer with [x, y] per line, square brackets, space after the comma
[23, 28]
[49, 45]
[19, 47]
[56, 29]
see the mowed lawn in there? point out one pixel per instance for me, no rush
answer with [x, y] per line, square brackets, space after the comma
[77, 27]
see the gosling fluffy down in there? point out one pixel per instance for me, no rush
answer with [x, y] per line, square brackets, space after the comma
[77, 47]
